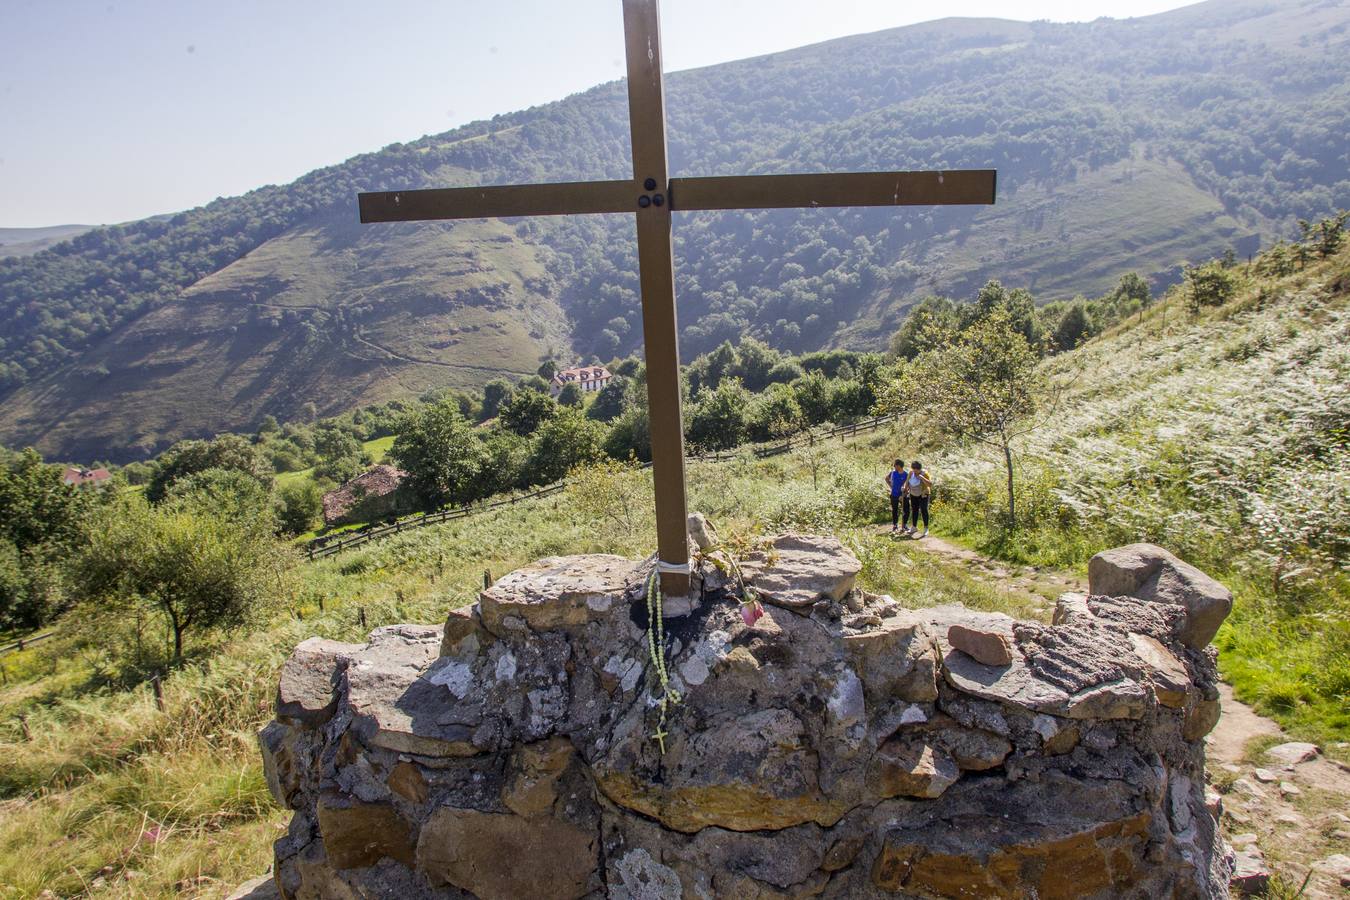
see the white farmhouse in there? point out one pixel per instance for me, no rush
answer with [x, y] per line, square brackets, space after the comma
[588, 378]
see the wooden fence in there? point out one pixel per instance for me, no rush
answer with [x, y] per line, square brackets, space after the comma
[330, 546]
[24, 643]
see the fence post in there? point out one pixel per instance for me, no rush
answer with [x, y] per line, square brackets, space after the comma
[361, 615]
[487, 579]
[23, 724]
[158, 688]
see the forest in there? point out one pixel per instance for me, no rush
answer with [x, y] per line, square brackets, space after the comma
[1258, 122]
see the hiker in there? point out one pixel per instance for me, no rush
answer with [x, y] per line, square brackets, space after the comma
[918, 490]
[895, 480]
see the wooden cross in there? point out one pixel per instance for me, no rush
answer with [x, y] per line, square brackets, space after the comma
[652, 195]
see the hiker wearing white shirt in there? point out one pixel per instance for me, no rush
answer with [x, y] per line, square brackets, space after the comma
[918, 489]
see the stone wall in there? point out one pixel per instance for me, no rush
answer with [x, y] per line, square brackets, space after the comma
[376, 494]
[841, 746]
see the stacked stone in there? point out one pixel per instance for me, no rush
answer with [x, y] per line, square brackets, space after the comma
[842, 746]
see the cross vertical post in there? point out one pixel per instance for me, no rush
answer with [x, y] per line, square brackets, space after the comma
[647, 122]
[652, 195]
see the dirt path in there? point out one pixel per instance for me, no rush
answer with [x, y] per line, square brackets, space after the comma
[1295, 830]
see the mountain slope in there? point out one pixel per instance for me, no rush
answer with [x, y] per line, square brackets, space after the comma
[1120, 146]
[27, 241]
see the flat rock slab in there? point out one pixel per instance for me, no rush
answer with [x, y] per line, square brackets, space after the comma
[990, 646]
[1167, 675]
[393, 702]
[1077, 671]
[1148, 572]
[1292, 753]
[1337, 866]
[797, 570]
[305, 690]
[260, 888]
[1251, 875]
[557, 592]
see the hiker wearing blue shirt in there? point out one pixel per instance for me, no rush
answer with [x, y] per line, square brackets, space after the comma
[895, 480]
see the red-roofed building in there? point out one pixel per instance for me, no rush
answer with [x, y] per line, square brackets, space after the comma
[86, 478]
[588, 378]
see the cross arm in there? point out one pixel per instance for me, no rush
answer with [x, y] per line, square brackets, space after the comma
[962, 186]
[556, 199]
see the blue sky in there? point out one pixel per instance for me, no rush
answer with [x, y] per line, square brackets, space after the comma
[111, 111]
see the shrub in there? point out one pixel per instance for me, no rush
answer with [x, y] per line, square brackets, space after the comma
[718, 421]
[227, 451]
[1209, 285]
[566, 440]
[613, 491]
[298, 507]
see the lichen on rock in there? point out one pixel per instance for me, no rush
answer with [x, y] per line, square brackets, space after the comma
[839, 746]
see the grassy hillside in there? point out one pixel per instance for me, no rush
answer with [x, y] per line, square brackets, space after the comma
[1175, 427]
[1225, 436]
[113, 798]
[340, 325]
[1120, 146]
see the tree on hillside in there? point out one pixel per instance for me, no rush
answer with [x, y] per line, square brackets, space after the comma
[1327, 235]
[495, 393]
[773, 413]
[628, 367]
[441, 453]
[35, 507]
[298, 506]
[40, 522]
[226, 451]
[931, 315]
[198, 569]
[708, 370]
[981, 385]
[568, 439]
[1209, 285]
[812, 391]
[570, 395]
[850, 400]
[547, 369]
[718, 420]
[611, 401]
[533, 383]
[1132, 286]
[228, 493]
[1018, 304]
[755, 360]
[505, 458]
[526, 411]
[1073, 327]
[341, 456]
[630, 435]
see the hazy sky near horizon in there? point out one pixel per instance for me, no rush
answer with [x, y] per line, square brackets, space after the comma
[116, 110]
